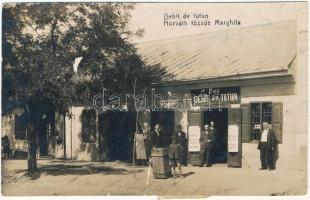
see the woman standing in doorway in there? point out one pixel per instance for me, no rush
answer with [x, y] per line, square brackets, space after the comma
[140, 146]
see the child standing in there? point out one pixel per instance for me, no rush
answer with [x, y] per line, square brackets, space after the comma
[175, 151]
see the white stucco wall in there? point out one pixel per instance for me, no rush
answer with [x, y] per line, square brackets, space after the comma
[288, 149]
[294, 128]
[302, 86]
[75, 147]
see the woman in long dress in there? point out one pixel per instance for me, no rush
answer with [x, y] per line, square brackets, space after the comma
[140, 147]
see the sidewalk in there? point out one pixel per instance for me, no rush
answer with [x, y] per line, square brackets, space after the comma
[57, 177]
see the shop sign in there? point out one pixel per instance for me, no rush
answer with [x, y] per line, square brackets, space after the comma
[193, 138]
[233, 142]
[223, 95]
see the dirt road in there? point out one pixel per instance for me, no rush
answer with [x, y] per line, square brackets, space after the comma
[57, 177]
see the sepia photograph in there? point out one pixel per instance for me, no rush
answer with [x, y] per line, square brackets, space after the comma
[176, 100]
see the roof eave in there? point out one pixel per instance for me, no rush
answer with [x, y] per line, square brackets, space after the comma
[235, 77]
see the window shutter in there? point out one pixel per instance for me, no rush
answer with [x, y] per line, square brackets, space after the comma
[277, 119]
[234, 159]
[194, 119]
[246, 122]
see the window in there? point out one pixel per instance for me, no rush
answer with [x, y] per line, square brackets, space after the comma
[267, 112]
[253, 116]
[260, 112]
[89, 126]
[20, 127]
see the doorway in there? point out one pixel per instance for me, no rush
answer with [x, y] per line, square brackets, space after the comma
[116, 131]
[166, 121]
[47, 129]
[220, 119]
[43, 137]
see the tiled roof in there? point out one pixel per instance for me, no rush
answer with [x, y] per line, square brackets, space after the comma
[245, 50]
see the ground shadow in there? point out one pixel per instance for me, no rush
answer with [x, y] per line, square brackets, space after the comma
[188, 174]
[112, 162]
[71, 169]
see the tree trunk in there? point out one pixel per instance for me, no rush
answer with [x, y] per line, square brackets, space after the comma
[32, 147]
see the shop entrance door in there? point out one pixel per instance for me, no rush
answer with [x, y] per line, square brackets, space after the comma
[220, 119]
[47, 128]
[116, 131]
[43, 143]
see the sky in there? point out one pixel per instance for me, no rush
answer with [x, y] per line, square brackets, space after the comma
[150, 16]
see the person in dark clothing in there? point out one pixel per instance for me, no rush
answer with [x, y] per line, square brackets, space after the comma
[206, 140]
[156, 137]
[6, 147]
[175, 152]
[181, 139]
[267, 146]
[147, 132]
[215, 140]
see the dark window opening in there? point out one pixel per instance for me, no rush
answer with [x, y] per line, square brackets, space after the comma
[267, 112]
[89, 126]
[20, 127]
[260, 112]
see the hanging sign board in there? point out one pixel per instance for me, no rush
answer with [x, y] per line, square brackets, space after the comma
[193, 138]
[233, 140]
[214, 96]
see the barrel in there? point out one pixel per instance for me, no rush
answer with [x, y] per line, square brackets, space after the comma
[160, 163]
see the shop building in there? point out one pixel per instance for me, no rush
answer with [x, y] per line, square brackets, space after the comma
[250, 75]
